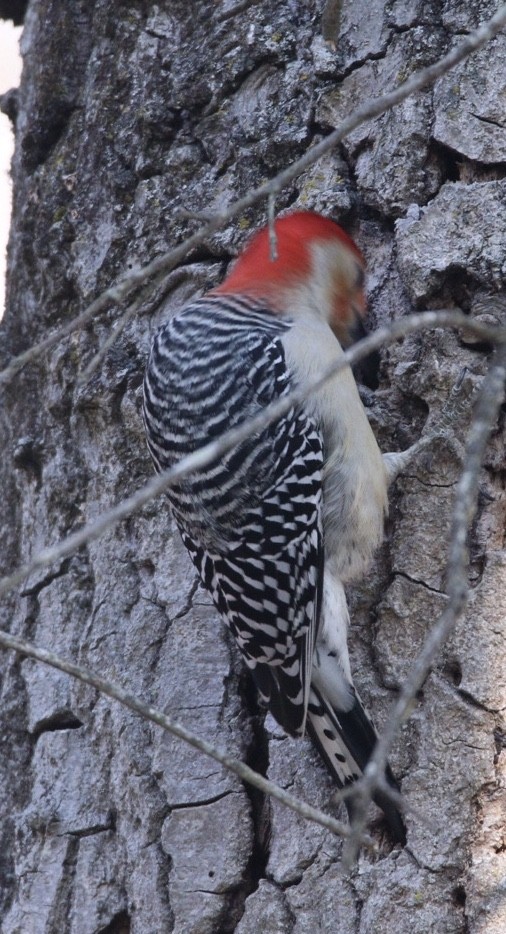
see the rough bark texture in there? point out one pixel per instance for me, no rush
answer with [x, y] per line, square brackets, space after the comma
[130, 113]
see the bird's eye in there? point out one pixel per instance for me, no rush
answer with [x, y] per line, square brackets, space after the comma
[360, 277]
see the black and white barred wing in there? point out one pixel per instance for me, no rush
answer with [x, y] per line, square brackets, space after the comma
[267, 587]
[251, 520]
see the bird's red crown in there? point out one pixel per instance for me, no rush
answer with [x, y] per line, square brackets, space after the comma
[254, 270]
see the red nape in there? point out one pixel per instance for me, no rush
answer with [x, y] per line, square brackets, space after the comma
[254, 268]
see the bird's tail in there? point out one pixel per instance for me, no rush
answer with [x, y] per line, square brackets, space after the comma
[346, 740]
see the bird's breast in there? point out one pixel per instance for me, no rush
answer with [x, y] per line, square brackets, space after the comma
[354, 480]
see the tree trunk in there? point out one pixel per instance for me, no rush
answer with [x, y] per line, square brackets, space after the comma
[131, 116]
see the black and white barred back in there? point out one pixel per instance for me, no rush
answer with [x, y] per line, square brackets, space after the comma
[251, 521]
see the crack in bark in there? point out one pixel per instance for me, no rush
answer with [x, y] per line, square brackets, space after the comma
[188, 606]
[60, 720]
[359, 903]
[90, 831]
[360, 62]
[421, 865]
[487, 120]
[119, 924]
[427, 484]
[473, 702]
[59, 916]
[419, 583]
[35, 589]
[257, 756]
[453, 676]
[201, 803]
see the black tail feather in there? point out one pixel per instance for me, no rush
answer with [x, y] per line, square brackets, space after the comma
[346, 742]
[274, 688]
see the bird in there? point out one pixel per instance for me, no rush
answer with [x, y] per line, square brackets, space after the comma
[278, 526]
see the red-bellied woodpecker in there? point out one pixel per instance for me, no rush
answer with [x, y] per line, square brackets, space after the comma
[278, 525]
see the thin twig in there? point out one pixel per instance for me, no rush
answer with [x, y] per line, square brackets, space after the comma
[109, 341]
[273, 240]
[466, 496]
[164, 263]
[158, 293]
[341, 795]
[147, 712]
[210, 452]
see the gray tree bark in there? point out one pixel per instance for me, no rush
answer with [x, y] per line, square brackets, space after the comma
[130, 115]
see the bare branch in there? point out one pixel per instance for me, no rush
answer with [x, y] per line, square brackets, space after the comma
[235, 11]
[158, 293]
[147, 712]
[350, 791]
[273, 240]
[110, 340]
[486, 412]
[204, 456]
[167, 261]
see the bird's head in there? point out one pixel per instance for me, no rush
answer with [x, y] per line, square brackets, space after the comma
[317, 265]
